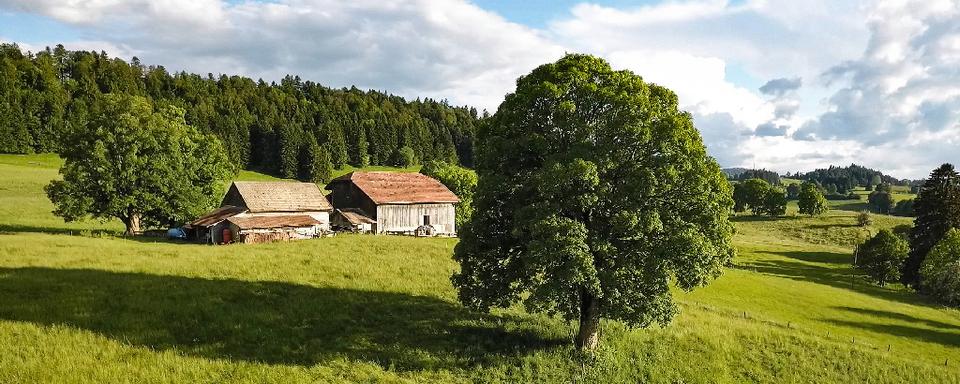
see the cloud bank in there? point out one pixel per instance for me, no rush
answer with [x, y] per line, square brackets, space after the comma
[780, 84]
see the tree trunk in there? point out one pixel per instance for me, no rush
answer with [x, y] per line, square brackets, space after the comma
[588, 336]
[132, 222]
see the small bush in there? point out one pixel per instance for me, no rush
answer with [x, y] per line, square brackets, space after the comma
[940, 270]
[864, 219]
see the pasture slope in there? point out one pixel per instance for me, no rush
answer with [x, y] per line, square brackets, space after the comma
[78, 304]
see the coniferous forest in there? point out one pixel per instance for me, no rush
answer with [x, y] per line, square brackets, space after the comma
[278, 128]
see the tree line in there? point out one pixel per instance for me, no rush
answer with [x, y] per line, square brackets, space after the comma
[292, 129]
[841, 180]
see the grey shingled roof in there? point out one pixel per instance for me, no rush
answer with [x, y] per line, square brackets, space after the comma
[281, 196]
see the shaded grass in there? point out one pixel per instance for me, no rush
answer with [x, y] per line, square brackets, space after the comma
[264, 321]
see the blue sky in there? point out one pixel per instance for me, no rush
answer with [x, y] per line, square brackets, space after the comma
[781, 84]
[537, 13]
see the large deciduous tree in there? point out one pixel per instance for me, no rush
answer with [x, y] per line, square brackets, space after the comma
[881, 200]
[937, 210]
[143, 166]
[882, 256]
[760, 197]
[595, 195]
[811, 201]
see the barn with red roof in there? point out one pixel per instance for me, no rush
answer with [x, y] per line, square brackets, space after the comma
[395, 202]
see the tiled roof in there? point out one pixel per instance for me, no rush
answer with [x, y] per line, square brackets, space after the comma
[282, 196]
[399, 187]
[267, 222]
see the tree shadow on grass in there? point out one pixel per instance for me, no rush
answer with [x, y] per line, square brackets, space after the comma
[9, 229]
[828, 226]
[900, 317]
[950, 339]
[837, 277]
[851, 205]
[816, 257]
[756, 218]
[269, 322]
[12, 229]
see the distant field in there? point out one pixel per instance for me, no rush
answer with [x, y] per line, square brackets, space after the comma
[80, 305]
[898, 192]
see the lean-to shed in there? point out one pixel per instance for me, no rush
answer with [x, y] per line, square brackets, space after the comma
[209, 228]
[261, 229]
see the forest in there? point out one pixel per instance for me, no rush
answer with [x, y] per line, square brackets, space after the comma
[277, 128]
[846, 178]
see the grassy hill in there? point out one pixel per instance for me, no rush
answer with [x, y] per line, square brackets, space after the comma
[78, 304]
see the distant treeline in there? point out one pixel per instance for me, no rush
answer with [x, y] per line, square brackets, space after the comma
[265, 126]
[746, 174]
[843, 179]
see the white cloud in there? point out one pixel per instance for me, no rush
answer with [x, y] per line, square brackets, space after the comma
[771, 38]
[901, 98]
[879, 79]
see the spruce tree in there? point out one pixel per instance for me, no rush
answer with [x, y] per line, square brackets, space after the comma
[937, 209]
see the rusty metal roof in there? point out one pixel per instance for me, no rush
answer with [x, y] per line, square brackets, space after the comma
[282, 196]
[399, 187]
[217, 215]
[355, 216]
[268, 222]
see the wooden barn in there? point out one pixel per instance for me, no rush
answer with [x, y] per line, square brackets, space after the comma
[265, 211]
[394, 202]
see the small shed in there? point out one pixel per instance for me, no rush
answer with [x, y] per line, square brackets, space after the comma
[397, 202]
[209, 228]
[353, 220]
[262, 229]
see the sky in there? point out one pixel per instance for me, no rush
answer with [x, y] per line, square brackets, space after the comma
[779, 84]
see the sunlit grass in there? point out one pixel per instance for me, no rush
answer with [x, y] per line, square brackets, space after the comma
[80, 304]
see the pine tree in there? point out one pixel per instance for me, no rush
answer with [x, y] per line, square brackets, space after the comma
[937, 208]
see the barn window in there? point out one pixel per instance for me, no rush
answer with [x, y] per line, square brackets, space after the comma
[426, 219]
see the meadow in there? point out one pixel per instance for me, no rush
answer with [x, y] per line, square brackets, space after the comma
[80, 304]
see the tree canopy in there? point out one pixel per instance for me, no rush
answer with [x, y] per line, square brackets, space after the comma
[760, 197]
[882, 256]
[595, 193]
[937, 210]
[881, 200]
[461, 181]
[138, 164]
[940, 270]
[263, 126]
[811, 201]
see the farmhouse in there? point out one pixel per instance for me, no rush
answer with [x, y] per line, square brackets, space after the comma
[254, 212]
[394, 202]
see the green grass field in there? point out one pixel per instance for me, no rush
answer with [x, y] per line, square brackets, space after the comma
[80, 305]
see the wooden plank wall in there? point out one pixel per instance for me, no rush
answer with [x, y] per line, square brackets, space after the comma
[408, 217]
